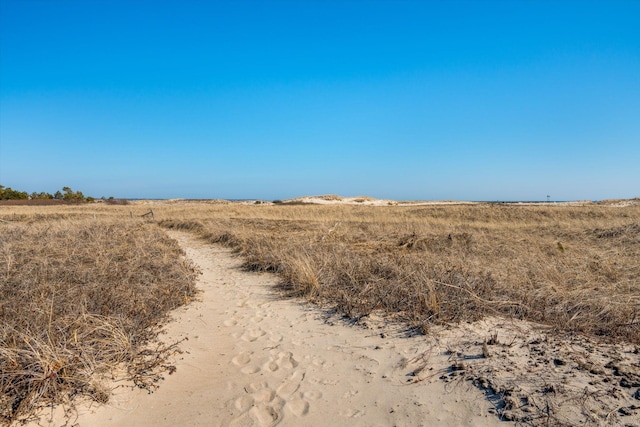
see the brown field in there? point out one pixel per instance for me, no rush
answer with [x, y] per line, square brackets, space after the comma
[571, 267]
[84, 286]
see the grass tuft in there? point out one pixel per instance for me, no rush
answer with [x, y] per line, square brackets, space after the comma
[78, 300]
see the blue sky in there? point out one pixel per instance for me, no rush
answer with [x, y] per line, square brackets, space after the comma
[428, 100]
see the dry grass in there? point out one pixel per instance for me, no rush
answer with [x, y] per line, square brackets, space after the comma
[80, 299]
[572, 267]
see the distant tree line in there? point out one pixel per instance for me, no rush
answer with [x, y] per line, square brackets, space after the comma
[67, 195]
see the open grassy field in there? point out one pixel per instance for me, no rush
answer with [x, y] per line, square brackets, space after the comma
[82, 286]
[575, 268]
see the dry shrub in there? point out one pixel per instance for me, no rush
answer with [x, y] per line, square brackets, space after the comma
[79, 298]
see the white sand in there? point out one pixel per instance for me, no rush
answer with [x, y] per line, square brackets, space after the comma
[254, 359]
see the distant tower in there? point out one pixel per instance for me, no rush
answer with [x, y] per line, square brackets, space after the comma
[548, 198]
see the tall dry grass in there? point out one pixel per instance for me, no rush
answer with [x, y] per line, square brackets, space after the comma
[79, 299]
[575, 268]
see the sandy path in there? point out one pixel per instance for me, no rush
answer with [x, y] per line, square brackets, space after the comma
[253, 359]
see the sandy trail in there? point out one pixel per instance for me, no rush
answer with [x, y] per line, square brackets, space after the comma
[254, 359]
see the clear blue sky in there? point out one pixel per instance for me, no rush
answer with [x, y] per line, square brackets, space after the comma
[465, 100]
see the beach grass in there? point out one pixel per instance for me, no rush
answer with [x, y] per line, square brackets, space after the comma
[84, 288]
[79, 300]
[574, 268]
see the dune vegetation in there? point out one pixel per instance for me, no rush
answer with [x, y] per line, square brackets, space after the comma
[571, 267]
[84, 288]
[81, 299]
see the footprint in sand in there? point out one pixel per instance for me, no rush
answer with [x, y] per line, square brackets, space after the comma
[244, 403]
[265, 395]
[250, 335]
[253, 387]
[266, 415]
[250, 370]
[312, 395]
[286, 360]
[230, 322]
[258, 414]
[291, 385]
[271, 366]
[298, 407]
[242, 359]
